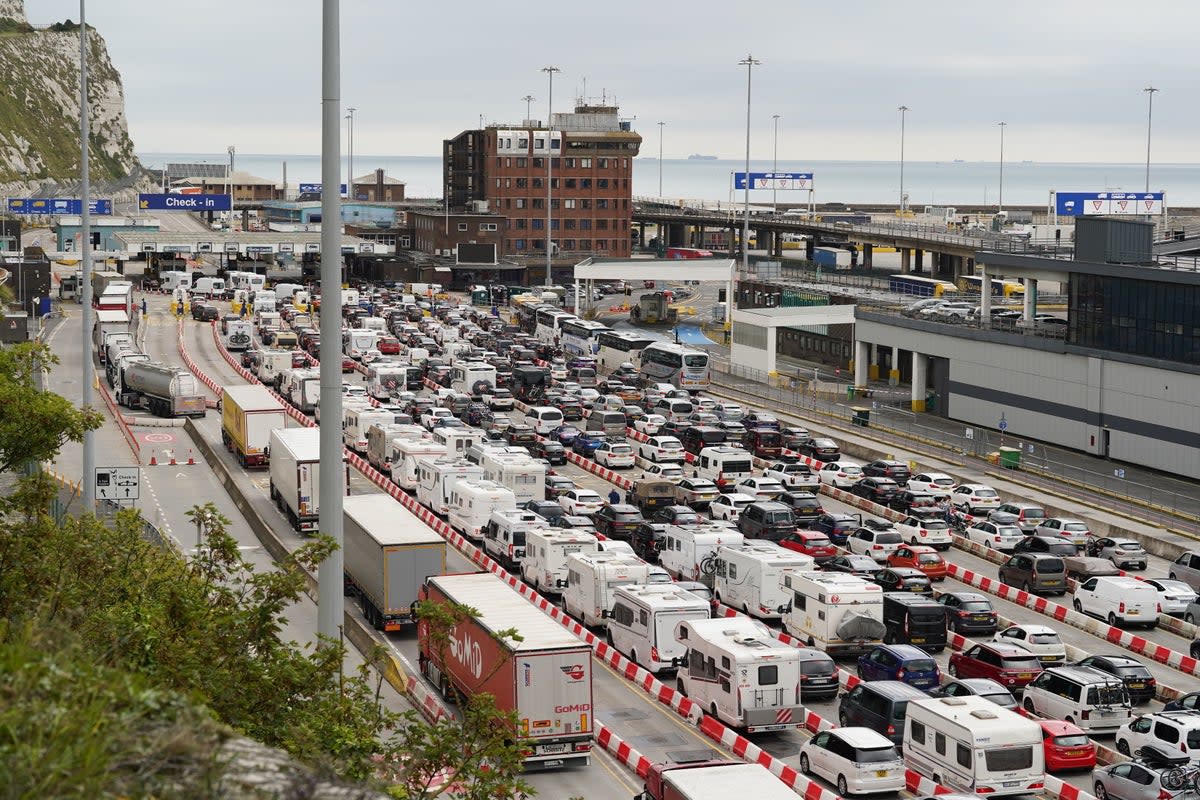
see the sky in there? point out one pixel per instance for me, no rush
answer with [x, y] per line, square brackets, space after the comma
[1066, 77]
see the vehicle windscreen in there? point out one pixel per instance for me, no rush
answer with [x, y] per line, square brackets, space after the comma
[713, 437]
[929, 558]
[737, 466]
[518, 538]
[1048, 565]
[1027, 663]
[1081, 740]
[875, 755]
[1008, 759]
[921, 665]
[931, 616]
[1043, 638]
[695, 361]
[887, 538]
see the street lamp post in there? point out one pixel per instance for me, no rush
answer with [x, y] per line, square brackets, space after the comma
[85, 226]
[661, 125]
[549, 166]
[1000, 199]
[749, 62]
[528, 104]
[775, 166]
[232, 152]
[1149, 90]
[350, 154]
[903, 203]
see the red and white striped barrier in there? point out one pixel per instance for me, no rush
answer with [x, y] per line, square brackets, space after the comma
[127, 434]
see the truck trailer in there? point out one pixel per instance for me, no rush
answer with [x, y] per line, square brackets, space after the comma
[545, 679]
[167, 391]
[389, 554]
[248, 415]
[712, 780]
[295, 459]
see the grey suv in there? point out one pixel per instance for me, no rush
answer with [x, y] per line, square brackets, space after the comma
[1035, 573]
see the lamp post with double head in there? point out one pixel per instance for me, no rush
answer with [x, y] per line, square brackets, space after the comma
[549, 168]
[749, 62]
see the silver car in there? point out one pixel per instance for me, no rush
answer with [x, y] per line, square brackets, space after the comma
[1124, 553]
[1173, 596]
[1137, 780]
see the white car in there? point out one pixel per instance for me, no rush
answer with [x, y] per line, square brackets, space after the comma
[662, 449]
[972, 498]
[581, 501]
[1174, 597]
[938, 484]
[371, 355]
[705, 404]
[1167, 730]
[856, 760]
[760, 488]
[354, 390]
[840, 474]
[730, 412]
[558, 371]
[614, 455]
[571, 387]
[1075, 531]
[1041, 640]
[650, 424]
[616, 546]
[729, 506]
[664, 472]
[926, 530]
[433, 415]
[994, 535]
[878, 544]
[587, 396]
[793, 476]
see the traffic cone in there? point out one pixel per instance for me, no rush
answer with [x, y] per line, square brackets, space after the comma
[153, 459]
[191, 461]
[172, 462]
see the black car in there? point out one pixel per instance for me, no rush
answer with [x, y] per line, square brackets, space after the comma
[903, 579]
[821, 448]
[818, 674]
[968, 612]
[647, 539]
[837, 526]
[1051, 545]
[550, 450]
[618, 521]
[887, 468]
[877, 490]
[677, 515]
[806, 507]
[546, 509]
[851, 564]
[1137, 679]
[557, 484]
[205, 312]
[908, 501]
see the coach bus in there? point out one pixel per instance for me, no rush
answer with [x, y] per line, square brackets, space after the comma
[617, 347]
[580, 336]
[1001, 287]
[677, 364]
[549, 324]
[919, 286]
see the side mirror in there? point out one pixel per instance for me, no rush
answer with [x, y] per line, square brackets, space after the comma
[605, 613]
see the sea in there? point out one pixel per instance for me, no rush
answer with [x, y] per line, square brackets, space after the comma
[932, 183]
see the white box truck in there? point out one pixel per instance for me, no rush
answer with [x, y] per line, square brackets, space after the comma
[389, 554]
[295, 458]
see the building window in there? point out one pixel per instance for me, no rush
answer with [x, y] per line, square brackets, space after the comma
[555, 160]
[538, 224]
[602, 163]
[538, 202]
[462, 226]
[520, 224]
[554, 183]
[522, 183]
[508, 162]
[487, 226]
[497, 183]
[554, 203]
[602, 183]
[602, 224]
[568, 244]
[499, 161]
[601, 244]
[519, 244]
[538, 183]
[585, 203]
[624, 163]
[508, 183]
[570, 224]
[538, 144]
[571, 183]
[521, 201]
[522, 161]
[585, 183]
[567, 203]
[539, 163]
[585, 163]
[602, 203]
[523, 142]
[585, 244]
[553, 224]
[569, 163]
[585, 224]
[508, 202]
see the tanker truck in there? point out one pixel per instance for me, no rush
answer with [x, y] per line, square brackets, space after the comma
[165, 390]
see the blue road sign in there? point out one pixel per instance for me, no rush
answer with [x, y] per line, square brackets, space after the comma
[315, 188]
[1003, 424]
[1078, 204]
[774, 180]
[57, 205]
[184, 202]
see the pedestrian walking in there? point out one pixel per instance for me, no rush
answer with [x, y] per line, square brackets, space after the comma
[614, 497]
[143, 306]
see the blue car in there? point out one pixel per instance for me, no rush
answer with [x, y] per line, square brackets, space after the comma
[585, 444]
[566, 434]
[900, 662]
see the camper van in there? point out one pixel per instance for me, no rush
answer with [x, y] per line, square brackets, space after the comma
[302, 388]
[736, 667]
[525, 476]
[643, 621]
[380, 438]
[970, 744]
[592, 579]
[356, 421]
[384, 380]
[835, 612]
[436, 476]
[239, 335]
[748, 577]
[176, 280]
[689, 553]
[473, 378]
[472, 503]
[504, 535]
[546, 552]
[457, 441]
[357, 341]
[405, 453]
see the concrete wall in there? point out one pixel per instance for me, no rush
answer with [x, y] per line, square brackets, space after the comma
[1151, 415]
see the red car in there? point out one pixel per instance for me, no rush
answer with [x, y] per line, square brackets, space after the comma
[388, 345]
[347, 364]
[812, 543]
[1067, 746]
[919, 556]
[1014, 667]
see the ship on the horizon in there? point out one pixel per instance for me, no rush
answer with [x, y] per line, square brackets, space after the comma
[699, 157]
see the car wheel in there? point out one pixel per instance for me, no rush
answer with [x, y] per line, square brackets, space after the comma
[1025, 588]
[953, 670]
[804, 765]
[1079, 606]
[1101, 793]
[1190, 619]
[633, 657]
[1112, 619]
[843, 787]
[1123, 747]
[1028, 705]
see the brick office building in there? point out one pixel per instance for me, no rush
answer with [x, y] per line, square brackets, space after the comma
[502, 170]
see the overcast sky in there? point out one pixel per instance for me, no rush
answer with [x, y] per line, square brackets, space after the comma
[1066, 76]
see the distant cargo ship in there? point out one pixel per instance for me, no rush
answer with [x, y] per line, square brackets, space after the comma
[698, 157]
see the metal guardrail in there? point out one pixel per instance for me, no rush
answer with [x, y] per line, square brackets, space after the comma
[1023, 247]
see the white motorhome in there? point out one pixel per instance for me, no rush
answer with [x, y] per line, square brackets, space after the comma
[405, 453]
[302, 388]
[472, 503]
[473, 378]
[736, 668]
[592, 579]
[384, 380]
[835, 612]
[436, 477]
[176, 280]
[748, 577]
[689, 554]
[457, 441]
[546, 551]
[357, 341]
[643, 621]
[380, 438]
[356, 421]
[209, 287]
[377, 324]
[239, 335]
[525, 476]
[504, 535]
[970, 744]
[271, 364]
[264, 301]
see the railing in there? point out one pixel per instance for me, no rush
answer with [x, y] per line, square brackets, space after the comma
[1025, 247]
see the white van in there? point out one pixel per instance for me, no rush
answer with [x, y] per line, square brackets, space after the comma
[1097, 702]
[405, 453]
[209, 287]
[675, 409]
[738, 668]
[176, 280]
[970, 744]
[643, 620]
[380, 438]
[838, 613]
[689, 554]
[546, 551]
[724, 466]
[592, 580]
[472, 503]
[544, 419]
[1118, 600]
[747, 577]
[505, 532]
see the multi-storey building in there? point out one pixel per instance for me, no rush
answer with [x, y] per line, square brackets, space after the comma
[502, 170]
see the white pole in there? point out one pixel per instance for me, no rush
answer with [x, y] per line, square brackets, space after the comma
[903, 110]
[660, 144]
[749, 62]
[775, 167]
[85, 225]
[1000, 199]
[549, 167]
[1149, 90]
[350, 156]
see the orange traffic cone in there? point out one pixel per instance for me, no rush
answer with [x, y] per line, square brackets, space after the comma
[191, 461]
[153, 459]
[172, 462]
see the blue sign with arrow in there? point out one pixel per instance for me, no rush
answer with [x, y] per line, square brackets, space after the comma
[315, 188]
[774, 180]
[184, 202]
[57, 205]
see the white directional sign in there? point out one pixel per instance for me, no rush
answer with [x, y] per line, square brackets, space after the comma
[118, 483]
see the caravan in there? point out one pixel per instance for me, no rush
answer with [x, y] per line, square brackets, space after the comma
[436, 477]
[546, 552]
[385, 380]
[689, 554]
[472, 503]
[592, 580]
[525, 476]
[473, 378]
[643, 621]
[457, 441]
[970, 744]
[736, 668]
[302, 388]
[748, 577]
[835, 612]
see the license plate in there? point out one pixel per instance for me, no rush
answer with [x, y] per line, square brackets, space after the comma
[552, 748]
[1051, 658]
[1010, 783]
[1133, 612]
[1137, 685]
[982, 618]
[1024, 675]
[917, 639]
[1076, 753]
[881, 773]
